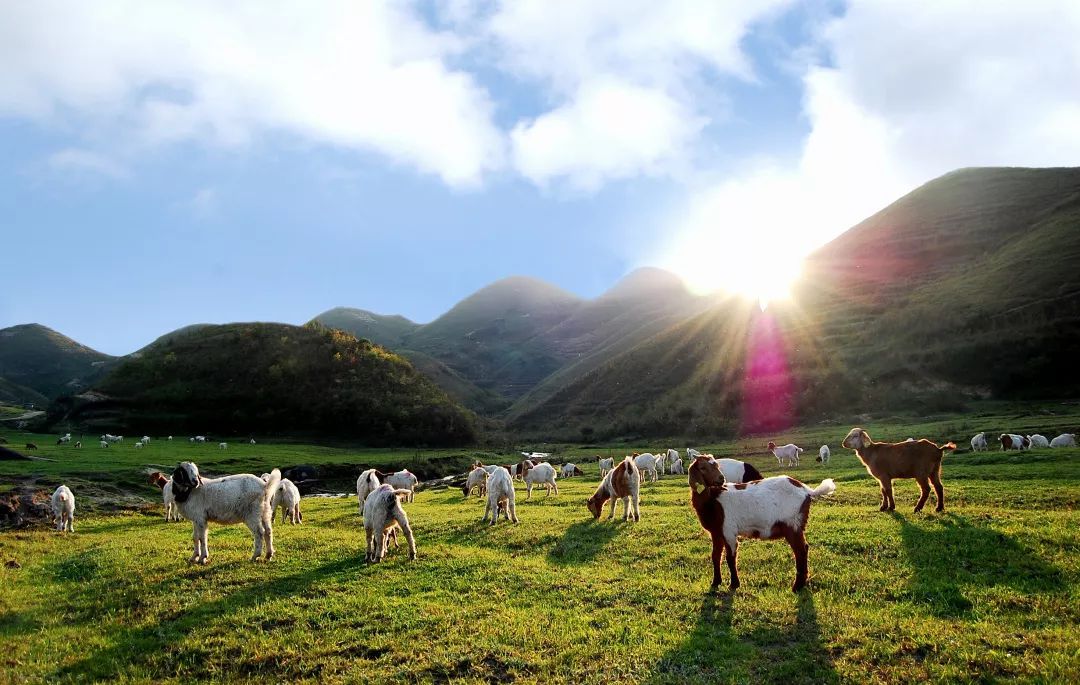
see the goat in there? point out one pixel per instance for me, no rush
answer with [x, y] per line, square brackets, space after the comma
[382, 513]
[570, 470]
[31, 446]
[63, 509]
[223, 445]
[789, 451]
[287, 497]
[368, 481]
[824, 454]
[523, 467]
[735, 471]
[477, 480]
[138, 445]
[646, 463]
[231, 499]
[104, 443]
[1037, 441]
[165, 485]
[78, 444]
[1012, 441]
[978, 443]
[541, 474]
[1064, 440]
[500, 497]
[605, 465]
[769, 509]
[621, 483]
[885, 461]
[401, 480]
[677, 466]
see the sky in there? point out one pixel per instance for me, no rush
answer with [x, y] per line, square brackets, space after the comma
[169, 163]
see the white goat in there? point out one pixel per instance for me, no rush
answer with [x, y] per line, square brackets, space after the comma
[223, 445]
[646, 463]
[63, 509]
[138, 445]
[500, 497]
[402, 480]
[365, 484]
[1064, 440]
[978, 443]
[570, 470]
[677, 466]
[661, 463]
[287, 497]
[605, 466]
[1038, 441]
[382, 514]
[824, 454]
[541, 474]
[172, 511]
[477, 480]
[231, 499]
[736, 471]
[790, 452]
[104, 443]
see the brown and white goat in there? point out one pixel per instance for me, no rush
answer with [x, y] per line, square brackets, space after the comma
[888, 461]
[621, 483]
[769, 509]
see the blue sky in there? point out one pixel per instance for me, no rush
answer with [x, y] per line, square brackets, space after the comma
[169, 163]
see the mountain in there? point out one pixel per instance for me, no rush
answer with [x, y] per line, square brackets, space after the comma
[12, 393]
[513, 343]
[966, 287]
[49, 363]
[268, 378]
[388, 331]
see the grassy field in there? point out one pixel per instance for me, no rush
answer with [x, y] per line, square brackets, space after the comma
[987, 591]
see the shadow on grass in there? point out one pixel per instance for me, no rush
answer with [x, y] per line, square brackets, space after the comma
[582, 541]
[950, 552]
[140, 648]
[718, 650]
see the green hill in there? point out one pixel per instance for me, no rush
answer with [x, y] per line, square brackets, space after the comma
[14, 394]
[388, 331]
[49, 363]
[967, 287]
[272, 379]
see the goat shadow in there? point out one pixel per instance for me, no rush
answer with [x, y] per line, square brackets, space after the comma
[717, 650]
[135, 648]
[950, 552]
[582, 541]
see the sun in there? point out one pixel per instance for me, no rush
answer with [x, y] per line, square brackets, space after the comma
[762, 275]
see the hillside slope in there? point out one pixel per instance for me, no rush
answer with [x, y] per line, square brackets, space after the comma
[47, 362]
[380, 329]
[965, 287]
[272, 379]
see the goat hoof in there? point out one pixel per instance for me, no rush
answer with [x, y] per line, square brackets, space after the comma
[939, 509]
[204, 561]
[918, 509]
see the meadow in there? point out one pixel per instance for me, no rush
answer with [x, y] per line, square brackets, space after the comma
[987, 591]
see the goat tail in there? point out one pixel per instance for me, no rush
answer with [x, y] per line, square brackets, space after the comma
[827, 487]
[948, 446]
[271, 486]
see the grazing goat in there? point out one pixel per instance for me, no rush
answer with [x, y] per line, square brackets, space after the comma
[138, 445]
[886, 462]
[63, 509]
[63, 439]
[1037, 441]
[368, 481]
[570, 470]
[605, 465]
[646, 463]
[621, 483]
[401, 480]
[477, 480]
[790, 452]
[677, 466]
[78, 444]
[824, 454]
[661, 463]
[769, 509]
[978, 443]
[31, 446]
[692, 454]
[382, 514]
[231, 499]
[735, 471]
[104, 443]
[541, 474]
[1012, 441]
[500, 498]
[223, 445]
[1064, 440]
[287, 497]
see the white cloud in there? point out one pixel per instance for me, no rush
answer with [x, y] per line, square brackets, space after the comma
[631, 82]
[85, 161]
[364, 75]
[909, 92]
[609, 130]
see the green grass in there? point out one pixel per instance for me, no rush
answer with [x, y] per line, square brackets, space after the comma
[987, 591]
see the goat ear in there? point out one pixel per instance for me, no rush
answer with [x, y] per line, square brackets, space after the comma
[865, 437]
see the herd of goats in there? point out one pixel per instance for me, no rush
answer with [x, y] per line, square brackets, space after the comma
[731, 498]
